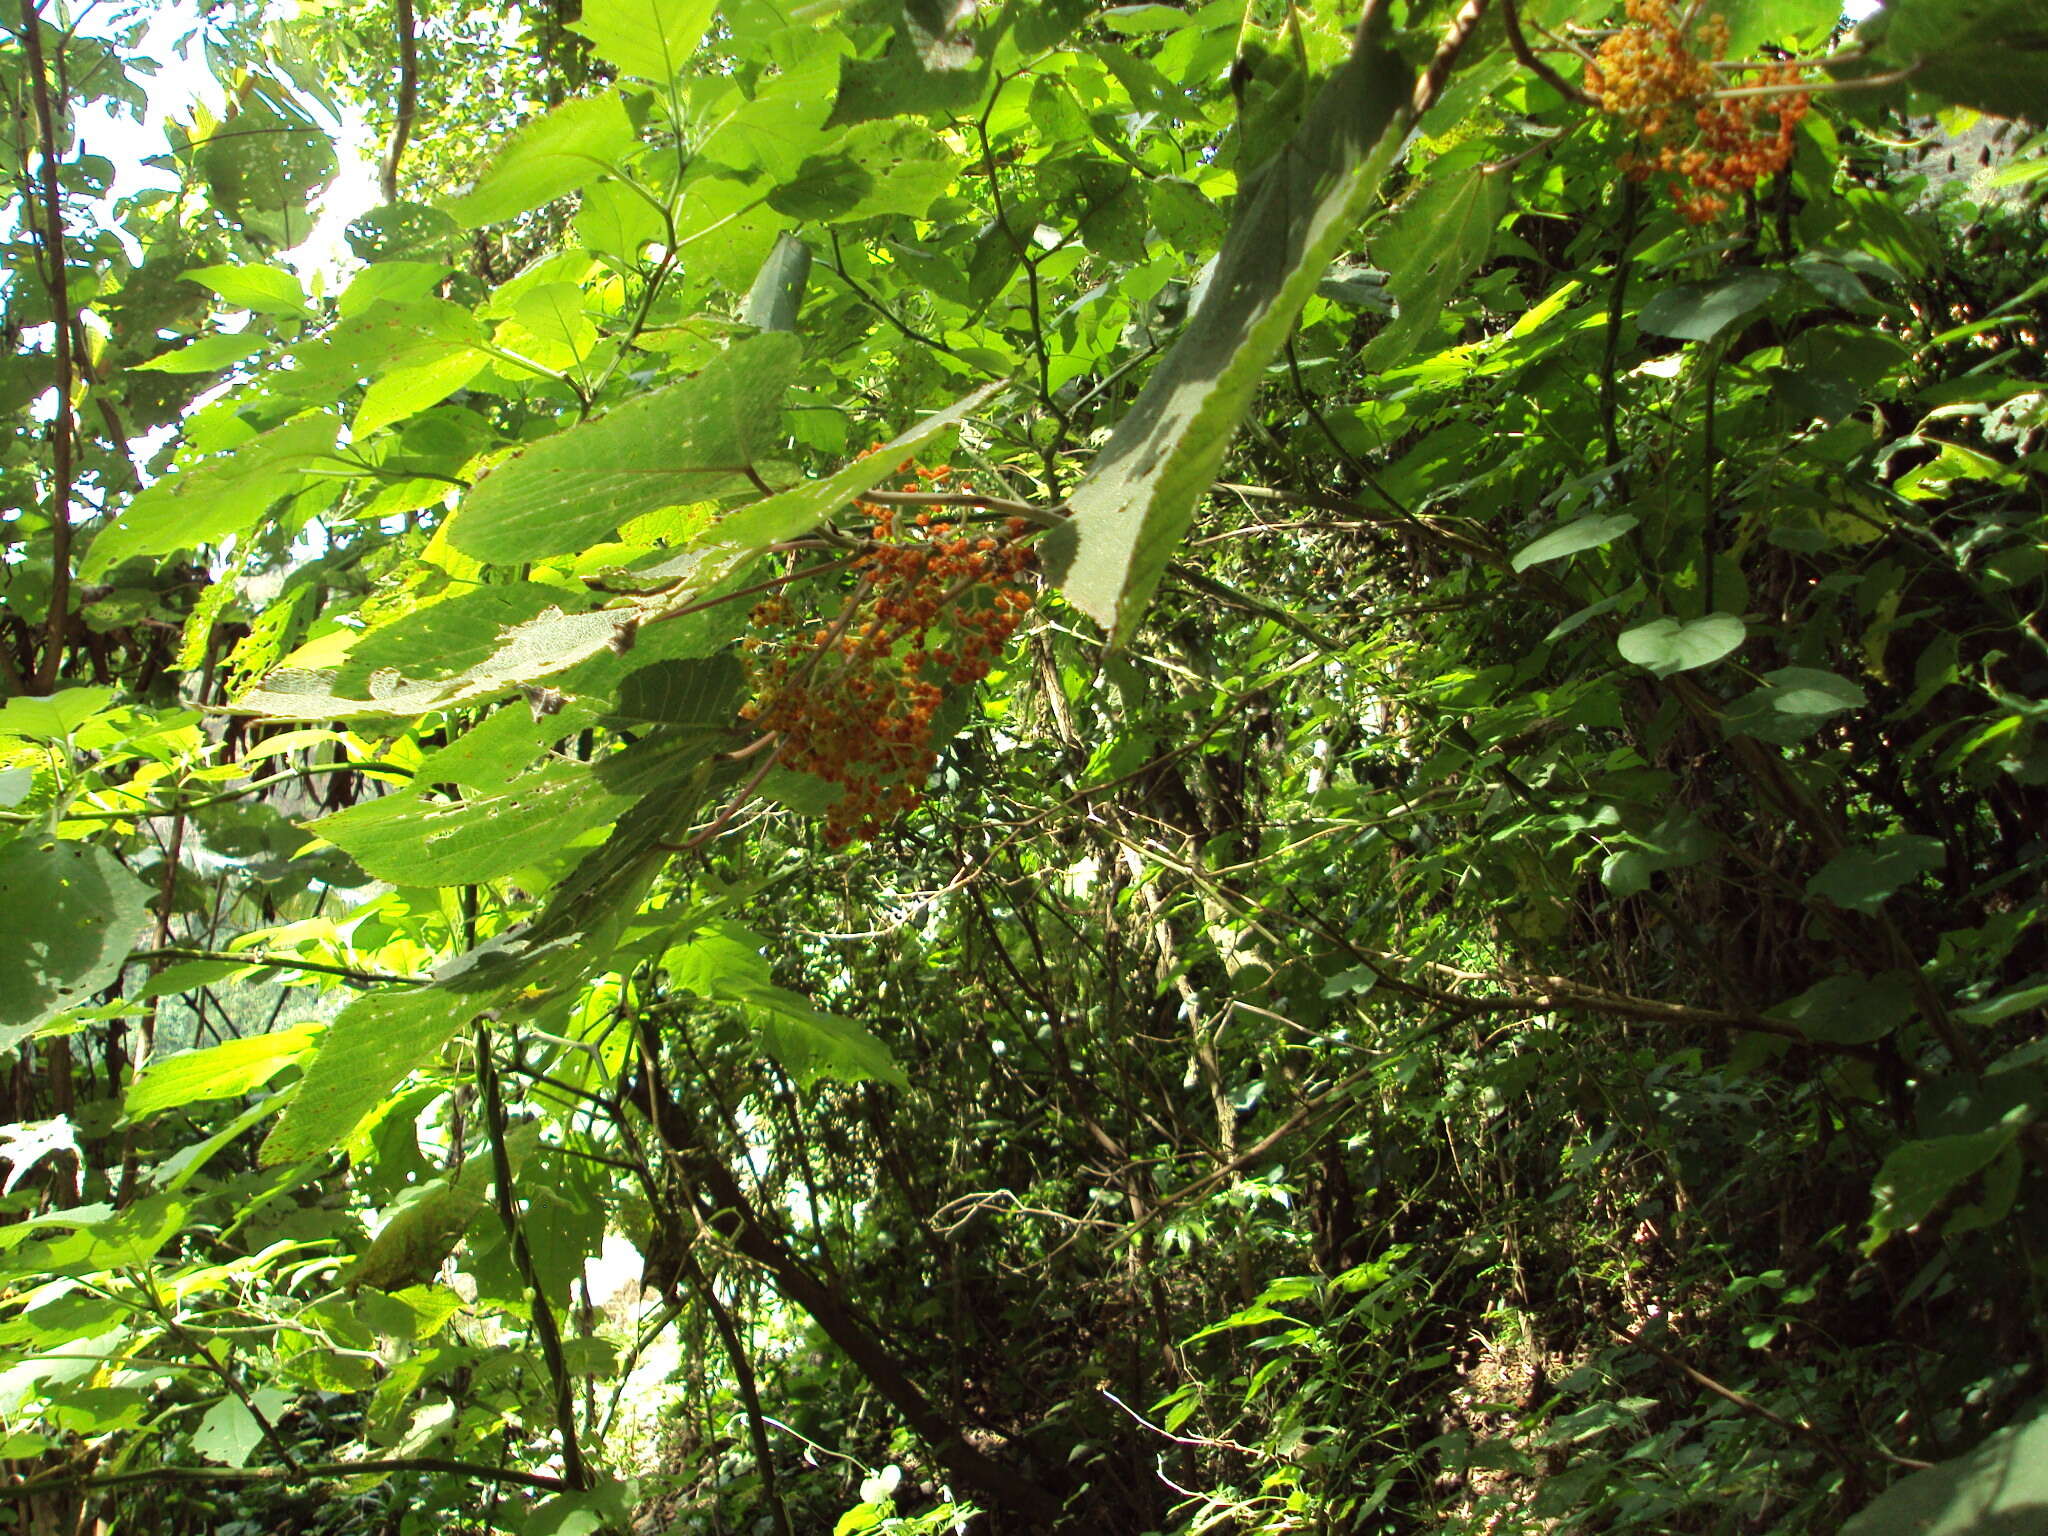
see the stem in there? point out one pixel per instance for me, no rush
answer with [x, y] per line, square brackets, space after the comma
[1709, 535]
[50, 238]
[302, 1473]
[1512, 15]
[544, 1326]
[750, 1395]
[408, 95]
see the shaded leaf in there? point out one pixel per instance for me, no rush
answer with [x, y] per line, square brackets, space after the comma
[1916, 1177]
[1580, 533]
[1669, 645]
[1850, 1009]
[1998, 1489]
[72, 913]
[1701, 311]
[1435, 241]
[1861, 878]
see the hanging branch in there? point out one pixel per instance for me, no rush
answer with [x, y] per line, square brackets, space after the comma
[544, 1325]
[408, 96]
[49, 233]
[743, 1378]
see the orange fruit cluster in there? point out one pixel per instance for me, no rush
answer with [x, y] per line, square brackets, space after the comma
[1711, 146]
[851, 697]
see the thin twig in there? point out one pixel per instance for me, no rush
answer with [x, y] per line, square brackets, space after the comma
[1512, 15]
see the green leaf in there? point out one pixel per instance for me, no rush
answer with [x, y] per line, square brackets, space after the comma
[801, 508]
[1860, 879]
[1701, 311]
[223, 1071]
[875, 169]
[1996, 1010]
[652, 39]
[1798, 24]
[1581, 533]
[404, 392]
[416, 1238]
[684, 691]
[1437, 239]
[725, 963]
[901, 84]
[777, 292]
[685, 443]
[215, 497]
[205, 354]
[809, 1044]
[1851, 1009]
[1917, 1176]
[1676, 842]
[53, 717]
[265, 289]
[549, 158]
[1998, 1489]
[1294, 216]
[229, 1433]
[443, 640]
[367, 1051]
[525, 653]
[1807, 691]
[381, 1037]
[410, 840]
[1988, 54]
[72, 913]
[1668, 645]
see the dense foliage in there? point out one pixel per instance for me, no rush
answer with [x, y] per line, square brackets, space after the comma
[1163, 768]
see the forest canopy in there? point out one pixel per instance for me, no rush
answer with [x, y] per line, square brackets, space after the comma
[951, 767]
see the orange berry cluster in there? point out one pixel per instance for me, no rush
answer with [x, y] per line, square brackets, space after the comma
[1711, 146]
[851, 697]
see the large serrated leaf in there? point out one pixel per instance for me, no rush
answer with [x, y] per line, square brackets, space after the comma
[380, 1038]
[802, 507]
[410, 840]
[652, 39]
[549, 158]
[223, 1071]
[215, 497]
[1436, 241]
[443, 639]
[1988, 54]
[1295, 215]
[1998, 1489]
[526, 652]
[693, 440]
